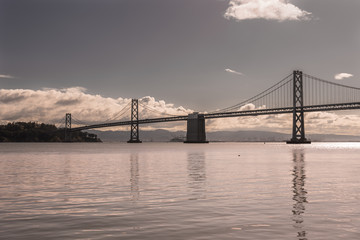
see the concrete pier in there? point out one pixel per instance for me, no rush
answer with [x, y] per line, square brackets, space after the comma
[196, 128]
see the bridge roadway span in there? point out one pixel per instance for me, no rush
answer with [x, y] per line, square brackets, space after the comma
[256, 112]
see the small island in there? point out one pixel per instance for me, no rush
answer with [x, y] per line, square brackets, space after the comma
[40, 132]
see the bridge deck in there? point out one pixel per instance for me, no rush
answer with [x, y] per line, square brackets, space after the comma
[255, 112]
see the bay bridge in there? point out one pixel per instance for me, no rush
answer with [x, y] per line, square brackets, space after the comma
[297, 93]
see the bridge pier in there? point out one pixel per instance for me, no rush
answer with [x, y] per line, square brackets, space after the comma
[68, 127]
[196, 128]
[298, 133]
[134, 128]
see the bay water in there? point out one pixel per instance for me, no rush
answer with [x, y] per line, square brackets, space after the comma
[179, 191]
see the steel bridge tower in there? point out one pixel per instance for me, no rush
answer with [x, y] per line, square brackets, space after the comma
[298, 133]
[68, 127]
[134, 129]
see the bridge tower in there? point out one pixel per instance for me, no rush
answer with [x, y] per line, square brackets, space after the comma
[298, 133]
[68, 127]
[134, 129]
[196, 128]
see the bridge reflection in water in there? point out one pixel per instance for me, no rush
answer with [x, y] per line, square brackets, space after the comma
[197, 184]
[196, 175]
[134, 177]
[300, 193]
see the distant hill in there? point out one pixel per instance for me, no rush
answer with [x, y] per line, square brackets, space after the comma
[220, 136]
[145, 136]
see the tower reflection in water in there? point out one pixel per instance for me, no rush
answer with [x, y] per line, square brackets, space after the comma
[134, 177]
[196, 175]
[299, 192]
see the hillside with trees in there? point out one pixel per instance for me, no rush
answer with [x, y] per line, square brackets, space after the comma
[40, 132]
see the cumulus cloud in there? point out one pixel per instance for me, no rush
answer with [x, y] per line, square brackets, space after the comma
[233, 71]
[50, 106]
[341, 76]
[5, 76]
[279, 10]
[247, 107]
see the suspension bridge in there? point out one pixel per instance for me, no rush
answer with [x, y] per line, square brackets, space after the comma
[297, 93]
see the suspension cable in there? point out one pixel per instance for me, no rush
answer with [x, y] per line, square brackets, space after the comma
[256, 97]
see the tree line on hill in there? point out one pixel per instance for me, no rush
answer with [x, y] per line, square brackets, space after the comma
[40, 132]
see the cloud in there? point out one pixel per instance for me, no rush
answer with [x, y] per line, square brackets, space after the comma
[341, 76]
[233, 71]
[279, 10]
[50, 106]
[247, 107]
[6, 76]
[67, 102]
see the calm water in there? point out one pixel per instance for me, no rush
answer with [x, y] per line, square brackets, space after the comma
[180, 191]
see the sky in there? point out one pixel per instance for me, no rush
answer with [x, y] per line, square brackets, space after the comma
[90, 57]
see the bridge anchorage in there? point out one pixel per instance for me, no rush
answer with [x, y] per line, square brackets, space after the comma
[298, 132]
[196, 128]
